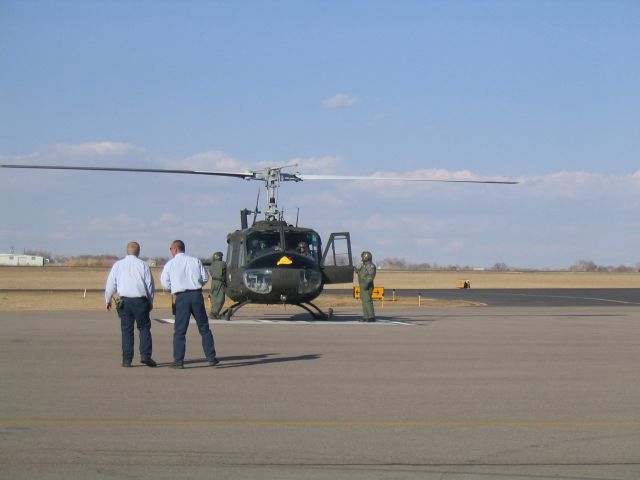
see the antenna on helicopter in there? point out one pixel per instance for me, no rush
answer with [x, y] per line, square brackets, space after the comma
[256, 211]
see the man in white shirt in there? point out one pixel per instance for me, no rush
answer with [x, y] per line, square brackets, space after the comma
[185, 276]
[131, 279]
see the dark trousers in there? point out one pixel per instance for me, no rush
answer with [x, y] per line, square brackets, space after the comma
[191, 303]
[135, 311]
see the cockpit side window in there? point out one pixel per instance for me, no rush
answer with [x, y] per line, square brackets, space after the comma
[241, 254]
[260, 243]
[232, 257]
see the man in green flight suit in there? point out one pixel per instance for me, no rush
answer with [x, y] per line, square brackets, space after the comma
[366, 273]
[218, 273]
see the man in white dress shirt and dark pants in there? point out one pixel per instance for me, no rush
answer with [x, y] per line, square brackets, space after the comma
[131, 279]
[185, 276]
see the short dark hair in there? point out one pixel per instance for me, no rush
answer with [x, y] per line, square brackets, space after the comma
[179, 244]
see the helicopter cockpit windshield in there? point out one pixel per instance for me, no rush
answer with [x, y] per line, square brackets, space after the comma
[261, 243]
[303, 243]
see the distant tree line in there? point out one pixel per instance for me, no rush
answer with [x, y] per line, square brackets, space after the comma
[591, 266]
[579, 266]
[402, 264]
[104, 260]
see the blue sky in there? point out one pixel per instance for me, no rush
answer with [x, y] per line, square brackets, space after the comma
[543, 92]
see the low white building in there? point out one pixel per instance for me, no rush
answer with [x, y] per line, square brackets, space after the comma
[18, 260]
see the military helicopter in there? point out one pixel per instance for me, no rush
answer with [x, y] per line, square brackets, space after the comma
[272, 261]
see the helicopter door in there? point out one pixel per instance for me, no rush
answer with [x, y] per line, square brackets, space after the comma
[337, 263]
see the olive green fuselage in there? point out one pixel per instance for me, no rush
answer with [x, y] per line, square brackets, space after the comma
[265, 265]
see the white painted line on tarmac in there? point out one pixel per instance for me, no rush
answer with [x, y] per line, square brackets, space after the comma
[289, 322]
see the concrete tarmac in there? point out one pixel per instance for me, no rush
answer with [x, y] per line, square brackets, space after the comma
[456, 393]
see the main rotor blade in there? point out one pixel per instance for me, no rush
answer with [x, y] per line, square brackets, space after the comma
[399, 179]
[251, 175]
[243, 175]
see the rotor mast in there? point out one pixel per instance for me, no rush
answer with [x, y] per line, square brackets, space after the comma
[272, 177]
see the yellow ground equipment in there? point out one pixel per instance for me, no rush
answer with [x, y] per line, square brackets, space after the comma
[378, 293]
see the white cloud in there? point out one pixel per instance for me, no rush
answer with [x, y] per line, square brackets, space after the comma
[99, 224]
[548, 220]
[544, 221]
[378, 221]
[60, 235]
[454, 246]
[19, 158]
[425, 242]
[340, 100]
[321, 165]
[204, 200]
[107, 154]
[326, 199]
[574, 185]
[558, 185]
[166, 218]
[378, 117]
[123, 220]
[390, 190]
[438, 174]
[90, 149]
[119, 222]
[443, 174]
[213, 160]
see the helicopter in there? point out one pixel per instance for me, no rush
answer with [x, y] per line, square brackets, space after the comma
[272, 261]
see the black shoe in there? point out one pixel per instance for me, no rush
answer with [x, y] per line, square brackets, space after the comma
[149, 362]
[362, 320]
[214, 362]
[126, 364]
[176, 365]
[371, 320]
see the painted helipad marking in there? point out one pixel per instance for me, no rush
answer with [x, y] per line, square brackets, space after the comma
[262, 321]
[316, 423]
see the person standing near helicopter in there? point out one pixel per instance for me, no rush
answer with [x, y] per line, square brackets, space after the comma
[366, 274]
[185, 276]
[130, 283]
[218, 274]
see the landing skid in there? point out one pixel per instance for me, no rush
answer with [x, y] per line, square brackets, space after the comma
[227, 313]
[317, 314]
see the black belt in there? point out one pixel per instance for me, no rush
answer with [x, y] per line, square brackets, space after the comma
[194, 290]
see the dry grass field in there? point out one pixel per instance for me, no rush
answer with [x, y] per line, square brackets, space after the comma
[49, 280]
